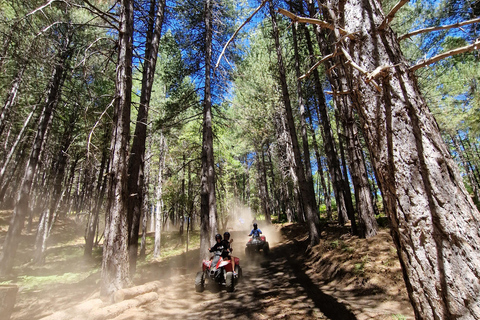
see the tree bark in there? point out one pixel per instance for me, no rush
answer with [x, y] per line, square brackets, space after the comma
[333, 163]
[115, 263]
[434, 221]
[310, 189]
[328, 199]
[311, 215]
[208, 206]
[136, 162]
[367, 225]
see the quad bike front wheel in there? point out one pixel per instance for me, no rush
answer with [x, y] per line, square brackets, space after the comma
[200, 281]
[229, 282]
[266, 248]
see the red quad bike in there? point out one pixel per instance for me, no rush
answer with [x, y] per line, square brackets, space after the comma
[220, 271]
[257, 244]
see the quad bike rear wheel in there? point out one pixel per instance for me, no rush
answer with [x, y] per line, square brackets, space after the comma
[266, 248]
[200, 281]
[229, 282]
[238, 271]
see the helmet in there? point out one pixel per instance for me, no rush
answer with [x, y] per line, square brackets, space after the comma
[255, 226]
[218, 236]
[226, 235]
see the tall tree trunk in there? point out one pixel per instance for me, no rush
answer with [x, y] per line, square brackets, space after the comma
[58, 172]
[346, 182]
[136, 162]
[22, 205]
[14, 147]
[367, 225]
[309, 207]
[262, 183]
[208, 206]
[274, 185]
[328, 199]
[310, 188]
[101, 187]
[434, 221]
[159, 197]
[328, 139]
[11, 96]
[286, 152]
[115, 263]
[146, 198]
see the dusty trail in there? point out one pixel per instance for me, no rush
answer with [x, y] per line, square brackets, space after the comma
[273, 287]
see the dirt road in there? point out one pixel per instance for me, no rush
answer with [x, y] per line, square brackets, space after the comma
[273, 287]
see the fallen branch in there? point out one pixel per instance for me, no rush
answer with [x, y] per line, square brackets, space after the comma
[447, 54]
[450, 26]
[318, 22]
[236, 32]
[391, 14]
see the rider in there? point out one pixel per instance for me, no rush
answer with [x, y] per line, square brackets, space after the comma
[227, 248]
[226, 243]
[219, 245]
[255, 231]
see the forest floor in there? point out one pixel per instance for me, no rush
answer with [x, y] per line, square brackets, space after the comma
[341, 278]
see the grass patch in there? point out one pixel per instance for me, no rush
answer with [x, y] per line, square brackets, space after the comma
[32, 283]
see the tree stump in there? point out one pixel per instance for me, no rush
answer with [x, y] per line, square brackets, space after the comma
[8, 295]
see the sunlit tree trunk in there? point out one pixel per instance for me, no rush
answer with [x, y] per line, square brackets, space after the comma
[11, 97]
[22, 205]
[157, 217]
[92, 224]
[303, 129]
[58, 172]
[309, 207]
[333, 163]
[367, 225]
[115, 263]
[136, 163]
[208, 205]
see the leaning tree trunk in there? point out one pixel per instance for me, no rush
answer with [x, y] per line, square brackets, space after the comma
[208, 206]
[58, 171]
[115, 264]
[92, 224]
[308, 201]
[11, 97]
[434, 221]
[323, 184]
[136, 163]
[367, 225]
[22, 204]
[333, 163]
[303, 129]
